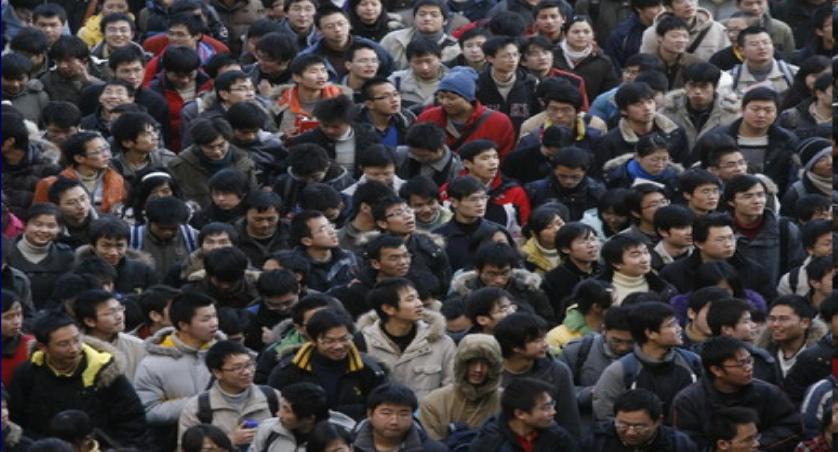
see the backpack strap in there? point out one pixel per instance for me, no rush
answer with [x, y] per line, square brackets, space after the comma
[582, 356]
[136, 240]
[786, 70]
[794, 279]
[783, 224]
[736, 73]
[698, 39]
[189, 237]
[273, 401]
[204, 409]
[271, 438]
[465, 133]
[693, 360]
[631, 367]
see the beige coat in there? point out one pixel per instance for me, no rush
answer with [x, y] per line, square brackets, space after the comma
[461, 401]
[777, 79]
[133, 348]
[725, 110]
[713, 41]
[396, 43]
[426, 364]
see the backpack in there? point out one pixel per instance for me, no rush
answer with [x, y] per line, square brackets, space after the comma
[631, 367]
[582, 356]
[460, 437]
[788, 76]
[137, 240]
[205, 410]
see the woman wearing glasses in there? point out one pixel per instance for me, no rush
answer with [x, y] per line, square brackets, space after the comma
[650, 162]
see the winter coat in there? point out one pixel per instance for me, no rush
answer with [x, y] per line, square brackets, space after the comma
[587, 369]
[722, 113]
[385, 60]
[415, 440]
[158, 158]
[779, 421]
[780, 78]
[237, 19]
[495, 126]
[164, 254]
[681, 274]
[797, 190]
[19, 181]
[288, 340]
[559, 283]
[765, 247]
[17, 281]
[457, 242]
[97, 386]
[207, 106]
[30, 101]
[134, 273]
[508, 202]
[154, 103]
[523, 285]
[361, 375]
[428, 250]
[16, 351]
[604, 438]
[113, 188]
[606, 15]
[240, 296]
[193, 176]
[409, 87]
[665, 377]
[395, 43]
[426, 364]
[289, 186]
[617, 174]
[14, 440]
[59, 88]
[170, 374]
[765, 366]
[461, 401]
[535, 259]
[401, 120]
[622, 40]
[161, 85]
[226, 416]
[43, 275]
[596, 69]
[258, 250]
[578, 199]
[818, 400]
[290, 109]
[496, 436]
[798, 16]
[714, 39]
[573, 327]
[364, 136]
[284, 440]
[799, 120]
[519, 104]
[323, 275]
[681, 302]
[622, 140]
[441, 171]
[813, 363]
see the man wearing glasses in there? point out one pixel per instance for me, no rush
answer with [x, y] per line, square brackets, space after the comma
[729, 381]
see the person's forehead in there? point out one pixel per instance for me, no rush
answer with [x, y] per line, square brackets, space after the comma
[43, 217]
[64, 333]
[757, 36]
[634, 416]
[72, 193]
[756, 188]
[333, 16]
[118, 23]
[550, 10]
[364, 52]
[392, 407]
[429, 8]
[634, 249]
[719, 230]
[48, 19]
[269, 212]
[782, 309]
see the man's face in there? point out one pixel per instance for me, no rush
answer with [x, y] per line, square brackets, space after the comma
[287, 416]
[473, 49]
[262, 224]
[110, 318]
[705, 198]
[699, 319]
[392, 262]
[335, 343]
[680, 237]
[539, 61]
[786, 325]
[736, 372]
[746, 440]
[41, 230]
[619, 341]
[541, 416]
[111, 249]
[384, 174]
[823, 245]
[720, 243]
[642, 112]
[505, 59]
[561, 114]
[426, 209]
[534, 349]
[472, 206]
[549, 21]
[636, 261]
[399, 219]
[70, 68]
[181, 80]
[584, 248]
[750, 202]
[203, 325]
[650, 204]
[484, 165]
[502, 308]
[97, 154]
[114, 6]
[51, 26]
[334, 129]
[236, 372]
[744, 330]
[391, 422]
[684, 9]
[410, 307]
[668, 334]
[568, 178]
[630, 73]
[335, 29]
[386, 99]
[74, 205]
[314, 77]
[281, 304]
[477, 371]
[733, 26]
[429, 19]
[12, 323]
[146, 141]
[323, 233]
[14, 86]
[758, 48]
[216, 149]
[495, 276]
[730, 165]
[547, 236]
[113, 96]
[268, 65]
[241, 90]
[163, 232]
[422, 155]
[823, 167]
[301, 15]
[754, 7]
[635, 428]
[675, 41]
[64, 348]
[118, 34]
[369, 10]
[700, 94]
[453, 104]
[426, 66]
[130, 72]
[825, 33]
[364, 64]
[214, 242]
[179, 36]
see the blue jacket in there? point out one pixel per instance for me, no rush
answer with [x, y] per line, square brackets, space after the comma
[624, 41]
[386, 64]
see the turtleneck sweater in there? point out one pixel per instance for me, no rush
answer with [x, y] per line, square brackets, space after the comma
[625, 285]
[551, 255]
[33, 253]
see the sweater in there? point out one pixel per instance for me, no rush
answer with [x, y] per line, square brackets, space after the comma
[625, 285]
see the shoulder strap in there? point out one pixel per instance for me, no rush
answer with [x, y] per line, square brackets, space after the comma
[271, 438]
[693, 360]
[794, 279]
[698, 40]
[136, 241]
[204, 409]
[469, 130]
[787, 75]
[582, 356]
[736, 72]
[783, 224]
[631, 367]
[273, 402]
[189, 237]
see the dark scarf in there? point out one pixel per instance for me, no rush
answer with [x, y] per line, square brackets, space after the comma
[214, 166]
[375, 32]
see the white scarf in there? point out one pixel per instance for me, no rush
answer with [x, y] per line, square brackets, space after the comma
[572, 56]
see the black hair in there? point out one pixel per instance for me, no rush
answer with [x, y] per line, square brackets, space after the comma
[650, 143]
[713, 272]
[325, 434]
[13, 125]
[194, 25]
[220, 351]
[421, 186]
[509, 23]
[206, 130]
[30, 40]
[725, 311]
[87, 302]
[75, 146]
[648, 316]
[760, 93]
[328, 9]
[232, 322]
[670, 22]
[376, 156]
[634, 200]
[464, 186]
[117, 17]
[443, 7]
[46, 322]
[387, 292]
[645, 62]
[420, 47]
[717, 350]
[548, 4]
[305, 159]
[68, 46]
[61, 185]
[229, 180]
[10, 298]
[673, 216]
[128, 126]
[219, 61]
[516, 329]
[15, 67]
[369, 85]
[640, 399]
[218, 228]
[95, 267]
[474, 148]
[180, 60]
[193, 438]
[425, 135]
[616, 318]
[307, 400]
[493, 44]
[556, 89]
[167, 211]
[155, 299]
[371, 193]
[702, 73]
[278, 46]
[818, 267]
[224, 81]
[613, 249]
[542, 217]
[702, 225]
[752, 30]
[471, 34]
[522, 394]
[570, 232]
[636, 298]
[185, 305]
[302, 62]
[109, 228]
[61, 114]
[637, 5]
[125, 55]
[263, 201]
[809, 205]
[496, 254]
[320, 196]
[590, 292]
[739, 184]
[698, 299]
[276, 283]
[724, 421]
[379, 209]
[308, 303]
[326, 319]
[392, 394]
[828, 309]
[226, 264]
[631, 93]
[73, 426]
[482, 301]
[812, 230]
[656, 80]
[373, 248]
[798, 304]
[691, 179]
[335, 109]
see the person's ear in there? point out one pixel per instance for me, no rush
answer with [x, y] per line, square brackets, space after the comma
[381, 225]
[482, 320]
[691, 313]
[89, 322]
[389, 310]
[155, 317]
[375, 264]
[306, 241]
[717, 371]
[347, 65]
[217, 373]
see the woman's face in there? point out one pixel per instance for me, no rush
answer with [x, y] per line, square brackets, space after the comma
[368, 11]
[654, 163]
[580, 35]
[613, 221]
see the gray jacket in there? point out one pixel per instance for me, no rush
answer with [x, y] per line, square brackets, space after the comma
[284, 440]
[724, 112]
[587, 369]
[765, 246]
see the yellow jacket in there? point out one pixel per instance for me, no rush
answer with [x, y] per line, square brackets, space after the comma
[90, 32]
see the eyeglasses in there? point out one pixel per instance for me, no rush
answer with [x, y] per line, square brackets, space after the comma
[329, 341]
[638, 428]
[742, 363]
[736, 164]
[99, 151]
[656, 204]
[250, 365]
[335, 25]
[246, 88]
[404, 212]
[724, 239]
[507, 308]
[496, 274]
[366, 61]
[178, 34]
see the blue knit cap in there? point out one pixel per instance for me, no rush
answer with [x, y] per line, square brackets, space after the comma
[460, 80]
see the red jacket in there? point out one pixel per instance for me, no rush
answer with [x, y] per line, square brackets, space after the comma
[161, 86]
[502, 191]
[21, 354]
[157, 43]
[497, 127]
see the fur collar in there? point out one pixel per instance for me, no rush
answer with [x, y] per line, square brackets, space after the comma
[103, 366]
[165, 343]
[662, 123]
[468, 281]
[86, 251]
[624, 158]
[432, 324]
[816, 331]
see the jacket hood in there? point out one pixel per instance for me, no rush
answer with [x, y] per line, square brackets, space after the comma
[661, 122]
[165, 343]
[703, 19]
[676, 168]
[478, 346]
[434, 324]
[677, 100]
[467, 281]
[282, 328]
[103, 362]
[816, 331]
[86, 251]
[366, 237]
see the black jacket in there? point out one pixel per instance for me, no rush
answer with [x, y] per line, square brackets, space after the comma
[597, 70]
[779, 421]
[353, 296]
[403, 120]
[603, 438]
[154, 103]
[725, 59]
[813, 364]
[289, 186]
[527, 165]
[793, 194]
[323, 275]
[559, 282]
[799, 121]
[365, 136]
[496, 436]
[520, 104]
[681, 274]
[429, 256]
[258, 317]
[578, 199]
[765, 366]
[43, 275]
[622, 140]
[457, 242]
[19, 180]
[242, 295]
[258, 251]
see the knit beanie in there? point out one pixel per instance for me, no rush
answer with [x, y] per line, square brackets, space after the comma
[813, 149]
[460, 80]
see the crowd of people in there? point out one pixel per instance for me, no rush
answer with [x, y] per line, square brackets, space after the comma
[483, 225]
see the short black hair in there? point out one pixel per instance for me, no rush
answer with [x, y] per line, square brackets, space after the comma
[116, 17]
[691, 179]
[472, 149]
[420, 47]
[128, 126]
[219, 61]
[155, 299]
[812, 230]
[75, 145]
[673, 216]
[392, 394]
[226, 264]
[373, 248]
[496, 254]
[650, 143]
[644, 61]
[471, 34]
[109, 227]
[818, 267]
[326, 319]
[724, 421]
[717, 350]
[370, 193]
[193, 438]
[668, 23]
[15, 67]
[125, 55]
[46, 322]
[307, 400]
[542, 217]
[305, 159]
[556, 89]
[640, 399]
[702, 73]
[631, 93]
[482, 301]
[387, 292]
[421, 186]
[335, 109]
[275, 283]
[752, 30]
[634, 200]
[206, 130]
[167, 211]
[495, 43]
[464, 186]
[88, 301]
[648, 316]
[810, 204]
[616, 318]
[829, 307]
[725, 311]
[760, 93]
[353, 48]
[590, 292]
[656, 80]
[613, 248]
[309, 302]
[379, 209]
[30, 40]
[522, 394]
[702, 225]
[302, 62]
[278, 46]
[328, 9]
[224, 81]
[376, 156]
[570, 232]
[185, 305]
[739, 184]
[320, 196]
[509, 23]
[180, 60]
[425, 135]
[13, 125]
[61, 185]
[220, 351]
[367, 87]
[516, 329]
[61, 114]
[798, 304]
[217, 228]
[263, 201]
[229, 180]
[68, 46]
[194, 25]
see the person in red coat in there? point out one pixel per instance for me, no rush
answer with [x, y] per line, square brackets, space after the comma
[16, 345]
[463, 117]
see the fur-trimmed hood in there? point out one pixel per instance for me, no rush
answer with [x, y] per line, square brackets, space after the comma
[165, 343]
[623, 159]
[366, 237]
[86, 251]
[104, 363]
[663, 123]
[523, 280]
[816, 331]
[677, 100]
[478, 346]
[432, 325]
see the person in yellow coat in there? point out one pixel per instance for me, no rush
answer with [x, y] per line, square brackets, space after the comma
[91, 32]
[590, 300]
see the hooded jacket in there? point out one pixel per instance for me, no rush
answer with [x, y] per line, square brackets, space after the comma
[714, 39]
[523, 285]
[426, 364]
[617, 174]
[779, 421]
[284, 439]
[496, 436]
[42, 276]
[395, 43]
[193, 176]
[462, 401]
[97, 386]
[30, 101]
[722, 112]
[170, 374]
[622, 140]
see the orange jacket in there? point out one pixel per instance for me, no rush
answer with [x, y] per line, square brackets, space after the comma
[113, 188]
